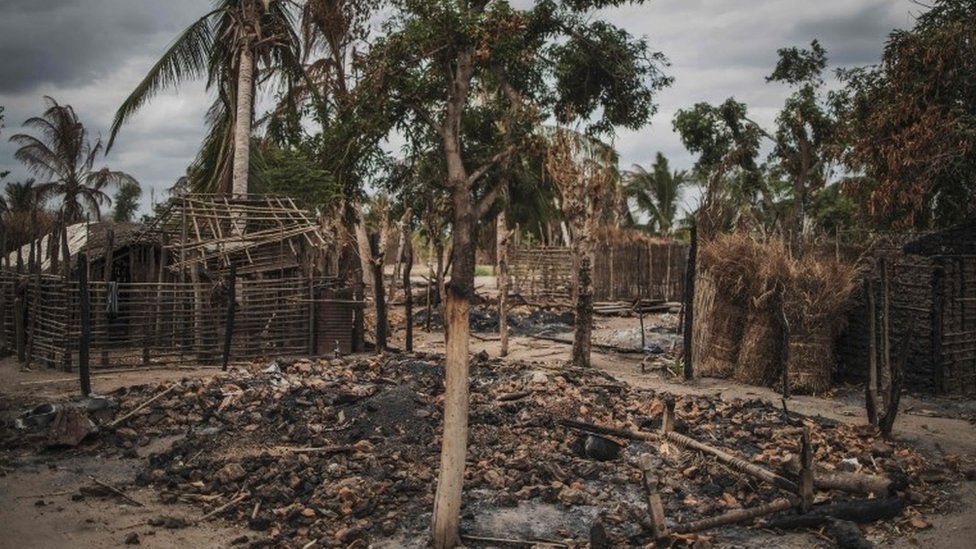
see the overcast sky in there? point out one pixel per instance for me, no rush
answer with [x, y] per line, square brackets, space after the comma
[91, 54]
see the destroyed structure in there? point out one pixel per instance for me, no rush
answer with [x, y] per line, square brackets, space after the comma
[160, 294]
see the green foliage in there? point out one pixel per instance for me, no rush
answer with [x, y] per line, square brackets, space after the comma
[126, 202]
[656, 192]
[291, 172]
[210, 48]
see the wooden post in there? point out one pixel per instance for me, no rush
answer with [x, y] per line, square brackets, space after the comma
[784, 344]
[655, 507]
[65, 252]
[735, 516]
[640, 295]
[379, 292]
[84, 312]
[501, 242]
[667, 419]
[107, 277]
[871, 389]
[806, 471]
[884, 374]
[408, 293]
[690, 303]
[20, 330]
[938, 305]
[231, 306]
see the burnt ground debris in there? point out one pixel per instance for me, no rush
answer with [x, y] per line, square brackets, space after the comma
[344, 452]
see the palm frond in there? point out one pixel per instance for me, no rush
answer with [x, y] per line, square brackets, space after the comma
[187, 58]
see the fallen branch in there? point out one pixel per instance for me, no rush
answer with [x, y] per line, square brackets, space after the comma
[320, 449]
[508, 397]
[733, 517]
[734, 462]
[601, 430]
[854, 483]
[859, 511]
[115, 491]
[143, 405]
[655, 507]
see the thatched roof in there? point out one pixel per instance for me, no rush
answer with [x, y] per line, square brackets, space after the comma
[958, 240]
[91, 238]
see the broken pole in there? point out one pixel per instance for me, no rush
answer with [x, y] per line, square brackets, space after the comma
[107, 277]
[806, 471]
[655, 507]
[733, 517]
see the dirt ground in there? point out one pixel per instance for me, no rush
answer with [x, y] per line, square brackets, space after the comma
[40, 506]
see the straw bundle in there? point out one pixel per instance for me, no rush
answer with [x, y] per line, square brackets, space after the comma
[760, 353]
[815, 301]
[731, 262]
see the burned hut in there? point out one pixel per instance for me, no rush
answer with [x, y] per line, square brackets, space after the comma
[212, 273]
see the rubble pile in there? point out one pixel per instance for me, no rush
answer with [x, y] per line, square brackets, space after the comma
[345, 452]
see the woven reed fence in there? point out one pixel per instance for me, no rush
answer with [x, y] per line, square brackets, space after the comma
[622, 271]
[170, 323]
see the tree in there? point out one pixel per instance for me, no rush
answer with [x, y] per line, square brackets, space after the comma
[441, 72]
[911, 122]
[656, 192]
[727, 145]
[235, 46]
[583, 171]
[64, 155]
[803, 144]
[126, 202]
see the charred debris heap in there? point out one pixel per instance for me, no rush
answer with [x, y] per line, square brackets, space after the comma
[342, 453]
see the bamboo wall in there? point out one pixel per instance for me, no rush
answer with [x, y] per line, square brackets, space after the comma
[622, 271]
[170, 323]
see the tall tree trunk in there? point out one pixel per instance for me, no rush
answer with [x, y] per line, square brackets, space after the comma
[408, 295]
[501, 239]
[242, 121]
[454, 443]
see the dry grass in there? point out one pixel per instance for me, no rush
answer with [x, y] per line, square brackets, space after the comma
[753, 280]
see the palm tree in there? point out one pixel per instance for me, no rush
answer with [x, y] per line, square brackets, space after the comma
[18, 197]
[64, 155]
[235, 46]
[656, 192]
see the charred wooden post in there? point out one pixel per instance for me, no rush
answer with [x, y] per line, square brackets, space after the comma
[655, 507]
[887, 423]
[376, 264]
[667, 419]
[806, 471]
[231, 309]
[734, 517]
[871, 390]
[640, 295]
[884, 374]
[689, 304]
[84, 312]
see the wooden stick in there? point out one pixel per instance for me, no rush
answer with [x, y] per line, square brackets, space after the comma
[854, 483]
[655, 507]
[115, 491]
[733, 517]
[223, 507]
[516, 542]
[806, 471]
[143, 405]
[871, 390]
[601, 430]
[734, 462]
[320, 450]
[508, 397]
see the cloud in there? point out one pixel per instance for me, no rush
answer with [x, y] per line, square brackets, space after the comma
[92, 53]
